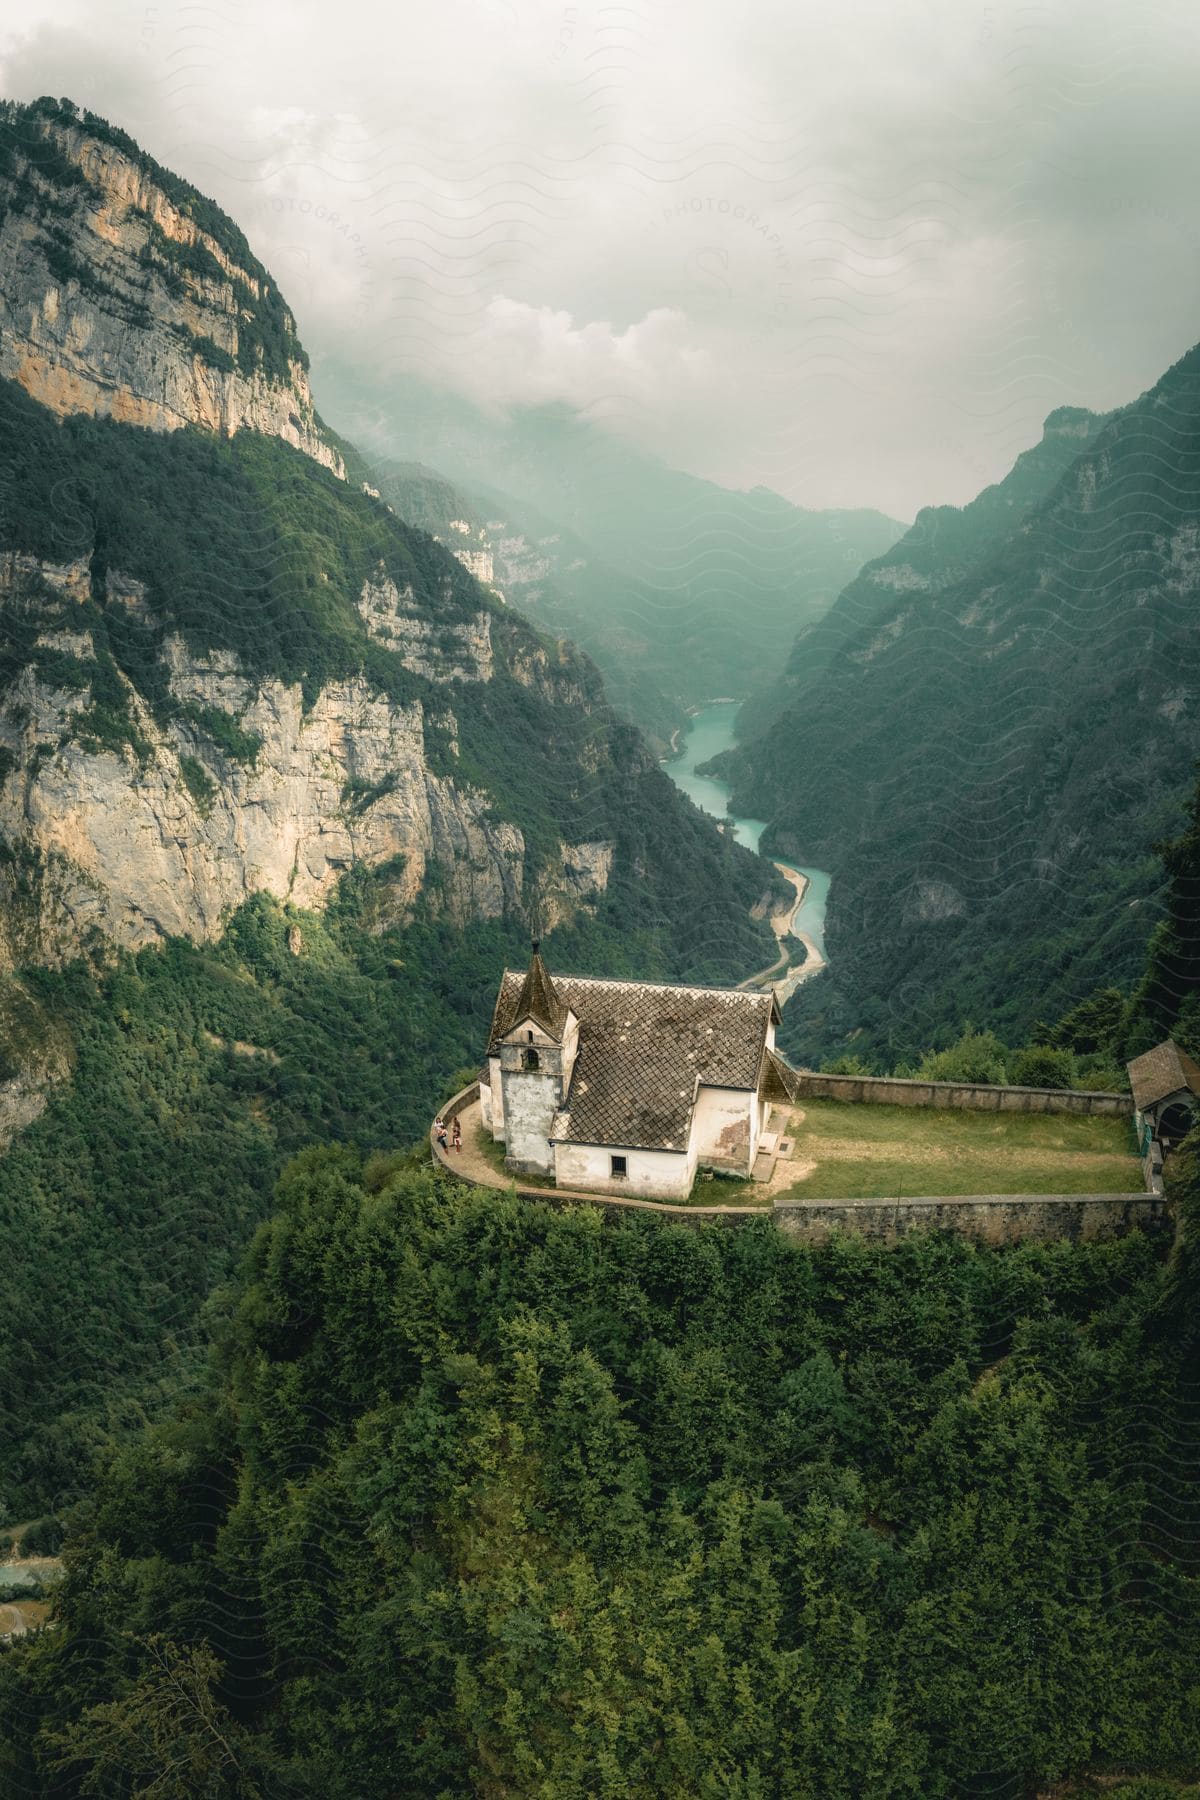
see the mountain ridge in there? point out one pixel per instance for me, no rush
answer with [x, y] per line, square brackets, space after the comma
[282, 788]
[126, 300]
[224, 653]
[987, 765]
[940, 547]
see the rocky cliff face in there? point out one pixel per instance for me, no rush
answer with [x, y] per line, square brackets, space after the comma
[224, 673]
[166, 834]
[126, 295]
[116, 301]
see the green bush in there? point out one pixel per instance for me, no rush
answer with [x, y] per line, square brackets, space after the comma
[1041, 1066]
[978, 1056]
[489, 1497]
[198, 782]
[226, 732]
[43, 1538]
[214, 354]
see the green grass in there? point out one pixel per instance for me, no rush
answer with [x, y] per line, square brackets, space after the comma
[722, 1190]
[856, 1151]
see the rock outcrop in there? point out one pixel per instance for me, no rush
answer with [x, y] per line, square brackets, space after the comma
[135, 808]
[168, 835]
[439, 652]
[226, 673]
[116, 301]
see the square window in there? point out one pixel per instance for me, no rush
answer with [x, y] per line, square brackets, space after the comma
[620, 1166]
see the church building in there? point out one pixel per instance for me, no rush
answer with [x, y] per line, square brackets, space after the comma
[628, 1087]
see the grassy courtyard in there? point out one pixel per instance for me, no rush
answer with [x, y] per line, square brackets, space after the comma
[845, 1151]
[848, 1151]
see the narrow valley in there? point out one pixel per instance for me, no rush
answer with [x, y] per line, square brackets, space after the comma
[709, 733]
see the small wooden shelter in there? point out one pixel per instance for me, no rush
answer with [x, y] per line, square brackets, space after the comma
[1166, 1094]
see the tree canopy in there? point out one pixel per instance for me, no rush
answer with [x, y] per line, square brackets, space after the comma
[485, 1497]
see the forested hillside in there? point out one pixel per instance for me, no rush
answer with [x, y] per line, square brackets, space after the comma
[377, 1485]
[282, 787]
[194, 1071]
[638, 636]
[709, 584]
[490, 1499]
[987, 765]
[941, 547]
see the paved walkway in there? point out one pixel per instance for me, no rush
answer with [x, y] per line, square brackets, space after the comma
[470, 1163]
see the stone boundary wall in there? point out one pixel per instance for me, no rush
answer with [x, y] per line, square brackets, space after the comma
[1152, 1164]
[887, 1090]
[676, 1215]
[465, 1097]
[987, 1218]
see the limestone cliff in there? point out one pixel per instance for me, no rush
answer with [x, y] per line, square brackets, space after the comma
[120, 299]
[223, 672]
[136, 806]
[167, 833]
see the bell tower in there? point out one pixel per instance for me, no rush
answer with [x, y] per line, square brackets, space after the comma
[537, 1055]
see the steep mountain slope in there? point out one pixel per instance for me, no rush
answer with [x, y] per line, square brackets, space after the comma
[227, 671]
[560, 584]
[249, 716]
[943, 544]
[128, 295]
[724, 578]
[986, 765]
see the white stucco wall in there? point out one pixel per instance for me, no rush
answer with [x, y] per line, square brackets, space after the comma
[653, 1174]
[497, 1089]
[485, 1105]
[725, 1126]
[530, 1103]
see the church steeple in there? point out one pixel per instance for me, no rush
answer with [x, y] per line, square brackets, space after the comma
[538, 999]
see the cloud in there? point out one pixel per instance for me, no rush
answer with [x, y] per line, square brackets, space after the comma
[525, 355]
[855, 253]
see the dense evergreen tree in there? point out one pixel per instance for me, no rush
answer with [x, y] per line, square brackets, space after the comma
[194, 1072]
[490, 1498]
[1168, 1002]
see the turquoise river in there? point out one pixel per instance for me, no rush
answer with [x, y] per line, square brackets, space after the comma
[710, 731]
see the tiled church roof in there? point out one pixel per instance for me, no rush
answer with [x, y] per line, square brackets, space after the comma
[642, 1049]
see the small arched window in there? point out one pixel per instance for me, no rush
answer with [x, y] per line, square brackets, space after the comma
[529, 1061]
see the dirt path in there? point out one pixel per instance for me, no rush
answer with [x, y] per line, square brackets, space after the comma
[470, 1162]
[13, 1622]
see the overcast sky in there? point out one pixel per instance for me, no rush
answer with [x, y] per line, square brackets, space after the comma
[853, 251]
